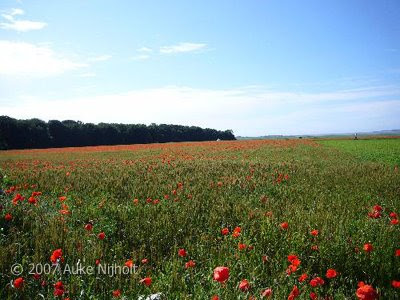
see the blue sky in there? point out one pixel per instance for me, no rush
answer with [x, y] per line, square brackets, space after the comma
[257, 67]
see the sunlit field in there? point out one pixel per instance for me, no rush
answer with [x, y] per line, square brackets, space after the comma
[289, 219]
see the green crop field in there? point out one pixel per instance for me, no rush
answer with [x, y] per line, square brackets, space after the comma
[288, 218]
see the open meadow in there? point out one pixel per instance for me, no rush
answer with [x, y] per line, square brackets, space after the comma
[289, 219]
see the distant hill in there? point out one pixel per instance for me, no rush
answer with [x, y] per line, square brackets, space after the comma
[391, 132]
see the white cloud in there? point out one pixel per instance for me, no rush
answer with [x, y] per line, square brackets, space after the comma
[140, 57]
[25, 59]
[19, 25]
[248, 111]
[144, 49]
[100, 58]
[182, 47]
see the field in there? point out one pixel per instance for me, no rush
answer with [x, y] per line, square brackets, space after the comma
[270, 211]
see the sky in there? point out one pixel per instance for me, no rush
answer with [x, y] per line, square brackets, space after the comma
[258, 67]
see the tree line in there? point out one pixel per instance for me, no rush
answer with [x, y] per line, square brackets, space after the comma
[35, 133]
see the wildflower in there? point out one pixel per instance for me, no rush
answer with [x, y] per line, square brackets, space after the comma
[145, 261]
[394, 221]
[101, 235]
[331, 273]
[236, 232]
[314, 232]
[190, 264]
[18, 283]
[294, 293]
[89, 226]
[397, 252]
[215, 297]
[317, 281]
[242, 246]
[225, 231]
[8, 217]
[303, 277]
[396, 284]
[284, 225]
[146, 281]
[313, 296]
[58, 289]
[368, 247]
[182, 252]
[56, 256]
[221, 274]
[129, 263]
[116, 293]
[393, 215]
[62, 198]
[366, 292]
[266, 293]
[244, 285]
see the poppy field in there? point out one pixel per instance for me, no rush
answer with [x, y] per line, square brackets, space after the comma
[256, 219]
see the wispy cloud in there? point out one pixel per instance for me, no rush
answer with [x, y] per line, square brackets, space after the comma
[10, 23]
[100, 58]
[248, 111]
[26, 59]
[182, 48]
[144, 50]
[140, 57]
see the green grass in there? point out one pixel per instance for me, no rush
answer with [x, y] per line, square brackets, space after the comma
[326, 189]
[379, 150]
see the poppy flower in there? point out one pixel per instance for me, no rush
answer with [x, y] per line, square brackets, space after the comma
[145, 261]
[266, 293]
[129, 263]
[135, 201]
[101, 236]
[215, 297]
[97, 262]
[89, 227]
[394, 221]
[182, 252]
[377, 208]
[58, 289]
[294, 293]
[221, 274]
[32, 200]
[18, 283]
[242, 246]
[244, 285]
[116, 293]
[366, 292]
[62, 198]
[190, 264]
[36, 276]
[397, 252]
[8, 217]
[284, 225]
[56, 256]
[317, 281]
[314, 232]
[236, 232]
[314, 247]
[331, 273]
[368, 247]
[303, 277]
[396, 284]
[393, 215]
[225, 231]
[146, 281]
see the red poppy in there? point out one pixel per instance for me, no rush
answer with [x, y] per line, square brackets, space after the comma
[331, 273]
[396, 284]
[368, 247]
[62, 198]
[190, 264]
[393, 215]
[317, 281]
[314, 232]
[146, 281]
[101, 236]
[225, 231]
[236, 232]
[394, 221]
[284, 225]
[313, 296]
[89, 227]
[244, 285]
[294, 293]
[242, 246]
[18, 283]
[129, 263]
[116, 293]
[266, 293]
[215, 297]
[366, 292]
[314, 247]
[303, 277]
[182, 252]
[58, 289]
[8, 217]
[221, 274]
[397, 252]
[56, 256]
